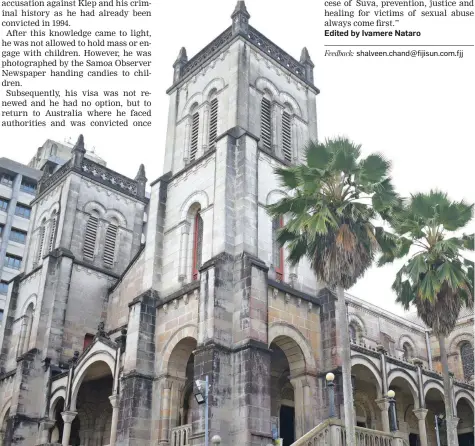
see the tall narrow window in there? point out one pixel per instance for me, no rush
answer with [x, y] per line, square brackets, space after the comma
[90, 238]
[28, 326]
[195, 125]
[277, 250]
[213, 123]
[52, 232]
[352, 332]
[88, 338]
[41, 242]
[287, 136]
[266, 124]
[466, 354]
[109, 246]
[197, 245]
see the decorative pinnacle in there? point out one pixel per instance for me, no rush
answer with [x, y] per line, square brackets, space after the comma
[182, 56]
[79, 146]
[305, 57]
[241, 9]
[141, 174]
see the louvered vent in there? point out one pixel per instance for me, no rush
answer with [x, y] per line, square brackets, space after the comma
[90, 238]
[194, 136]
[52, 234]
[266, 124]
[213, 123]
[109, 247]
[287, 137]
[41, 242]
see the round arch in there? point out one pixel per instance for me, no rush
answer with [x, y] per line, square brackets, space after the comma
[197, 98]
[354, 318]
[5, 408]
[275, 195]
[94, 206]
[112, 213]
[263, 84]
[200, 197]
[30, 301]
[187, 331]
[408, 339]
[428, 385]
[279, 331]
[455, 343]
[58, 394]
[80, 373]
[405, 376]
[216, 84]
[287, 98]
[464, 395]
[364, 362]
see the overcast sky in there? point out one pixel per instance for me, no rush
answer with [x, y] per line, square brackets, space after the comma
[417, 112]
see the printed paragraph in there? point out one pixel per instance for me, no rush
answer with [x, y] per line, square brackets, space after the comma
[71, 45]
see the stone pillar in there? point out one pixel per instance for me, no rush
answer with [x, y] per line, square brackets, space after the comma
[114, 399]
[205, 130]
[452, 424]
[307, 404]
[165, 412]
[421, 420]
[184, 248]
[45, 428]
[68, 418]
[383, 405]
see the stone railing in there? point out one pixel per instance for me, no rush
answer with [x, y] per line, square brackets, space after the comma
[332, 433]
[180, 436]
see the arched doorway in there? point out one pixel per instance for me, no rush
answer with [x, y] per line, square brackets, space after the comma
[290, 391]
[177, 394]
[465, 425]
[367, 390]
[92, 425]
[57, 431]
[435, 406]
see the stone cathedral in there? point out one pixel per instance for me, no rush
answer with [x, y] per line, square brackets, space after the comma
[126, 298]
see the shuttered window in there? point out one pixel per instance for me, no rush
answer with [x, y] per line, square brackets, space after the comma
[109, 246]
[213, 123]
[41, 242]
[194, 135]
[266, 124]
[277, 250]
[90, 238]
[197, 245]
[52, 233]
[287, 136]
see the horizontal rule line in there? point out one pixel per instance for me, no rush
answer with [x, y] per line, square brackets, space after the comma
[395, 45]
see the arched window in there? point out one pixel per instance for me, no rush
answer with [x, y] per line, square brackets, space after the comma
[195, 126]
[466, 355]
[408, 351]
[213, 123]
[197, 244]
[266, 123]
[110, 244]
[287, 135]
[28, 324]
[353, 333]
[52, 231]
[41, 242]
[90, 237]
[277, 250]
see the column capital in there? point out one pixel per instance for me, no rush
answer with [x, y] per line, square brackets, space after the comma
[383, 403]
[68, 416]
[114, 399]
[420, 413]
[453, 422]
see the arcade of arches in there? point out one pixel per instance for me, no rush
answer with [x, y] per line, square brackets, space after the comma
[372, 411]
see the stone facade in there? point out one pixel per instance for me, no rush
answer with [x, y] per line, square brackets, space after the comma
[97, 351]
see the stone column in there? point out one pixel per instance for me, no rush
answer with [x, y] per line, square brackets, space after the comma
[184, 245]
[165, 413]
[68, 418]
[421, 420]
[45, 428]
[452, 424]
[307, 406]
[114, 399]
[2, 436]
[383, 405]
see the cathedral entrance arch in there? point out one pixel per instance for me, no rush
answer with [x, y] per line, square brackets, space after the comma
[291, 385]
[177, 402]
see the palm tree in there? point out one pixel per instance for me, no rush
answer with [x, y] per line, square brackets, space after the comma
[436, 279]
[332, 202]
